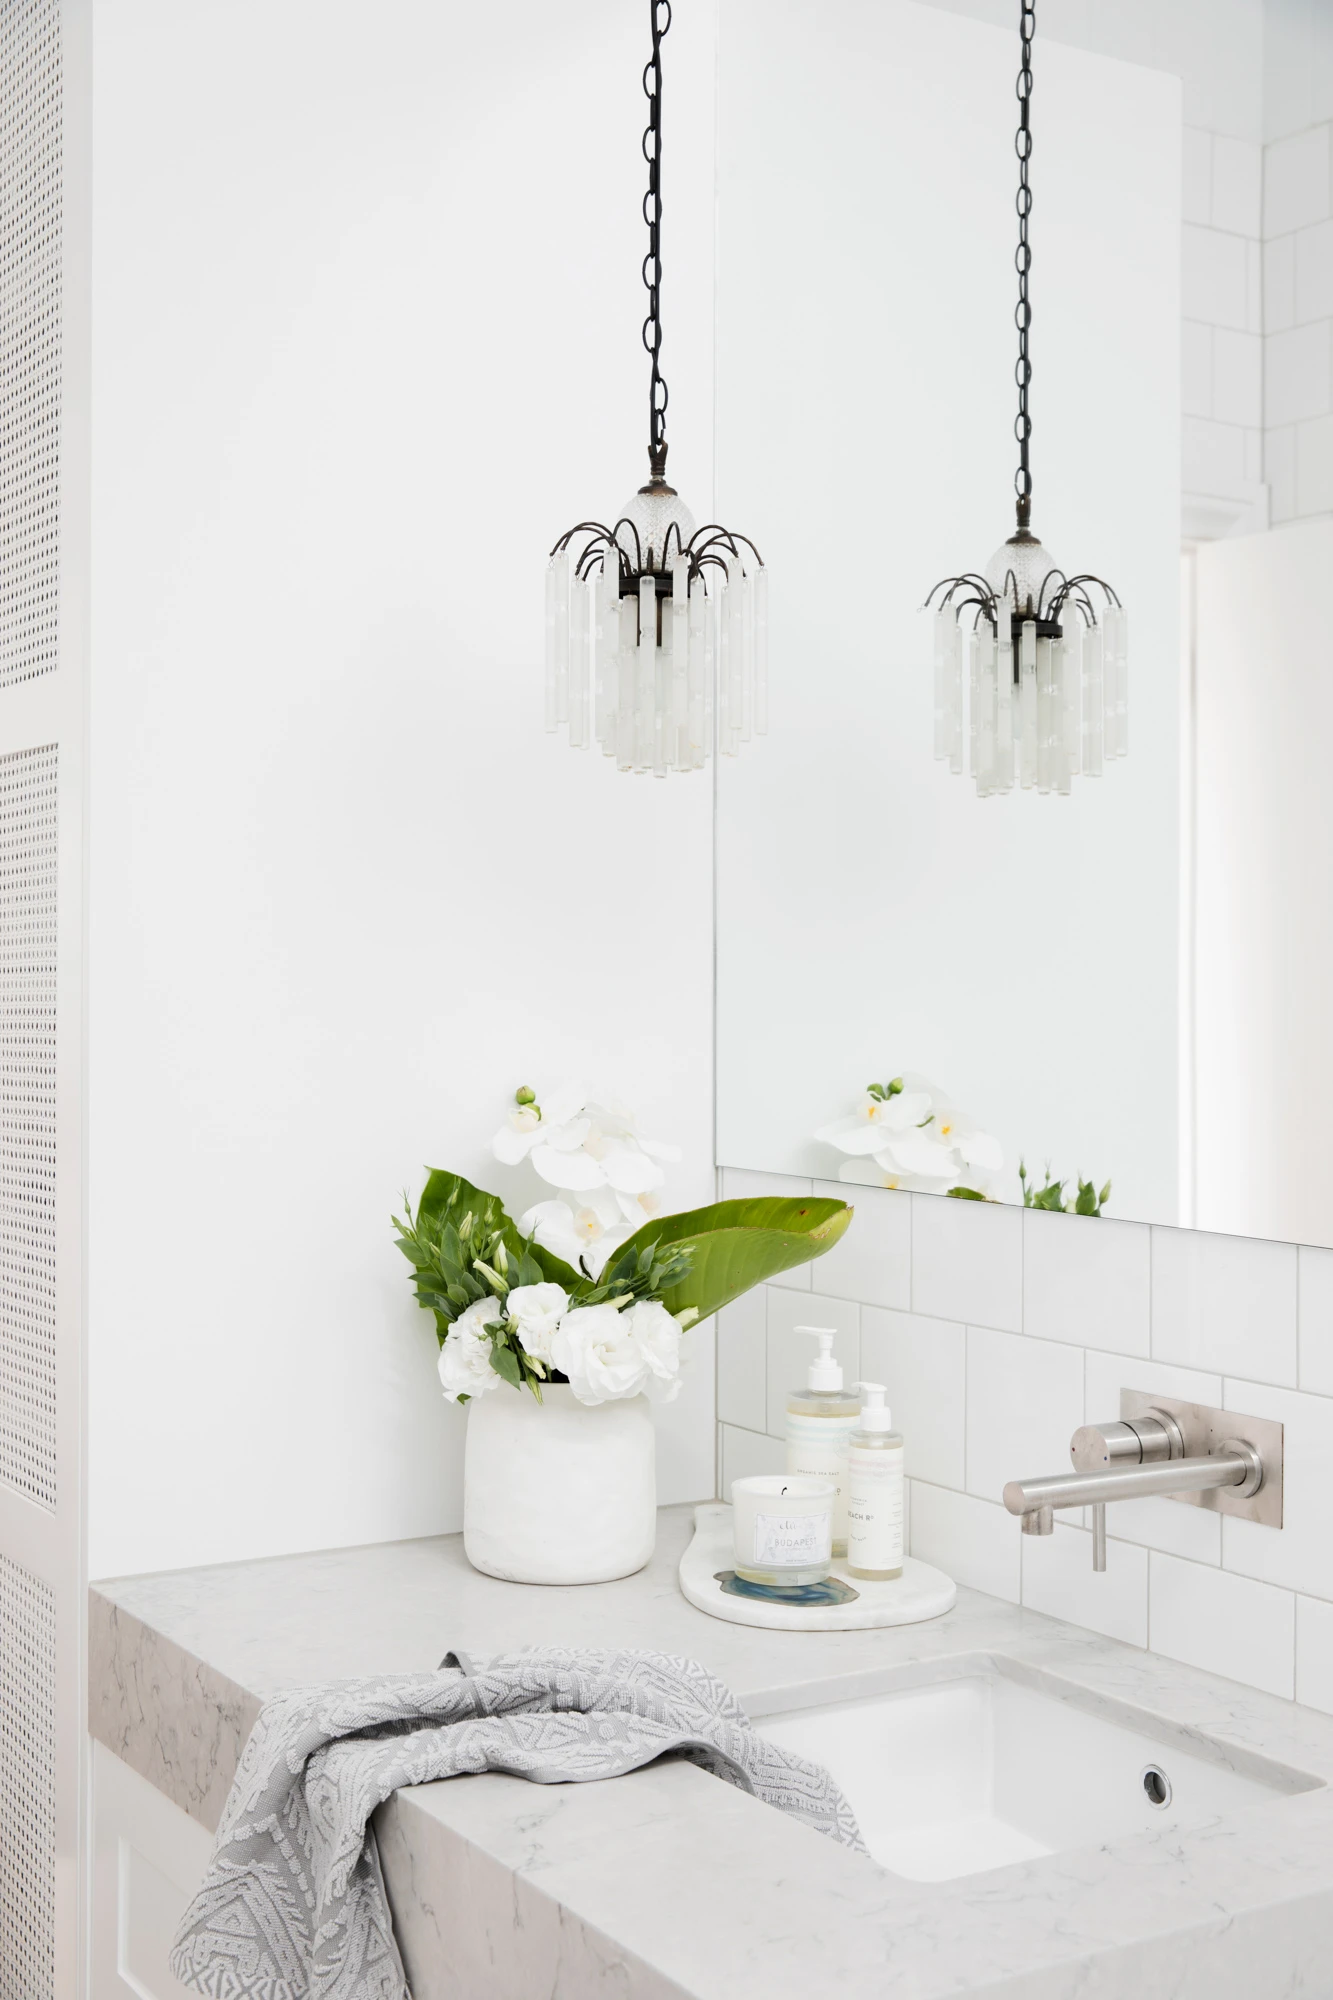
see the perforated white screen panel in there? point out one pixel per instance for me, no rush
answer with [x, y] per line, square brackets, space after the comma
[28, 1122]
[30, 297]
[27, 1785]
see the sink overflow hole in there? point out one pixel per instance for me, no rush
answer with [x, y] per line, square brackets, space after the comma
[1156, 1786]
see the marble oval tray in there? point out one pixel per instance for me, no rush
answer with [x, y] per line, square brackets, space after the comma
[920, 1592]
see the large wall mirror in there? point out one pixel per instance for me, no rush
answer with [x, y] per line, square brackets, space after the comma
[1107, 982]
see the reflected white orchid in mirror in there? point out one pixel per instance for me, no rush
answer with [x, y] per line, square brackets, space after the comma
[588, 1147]
[907, 1134]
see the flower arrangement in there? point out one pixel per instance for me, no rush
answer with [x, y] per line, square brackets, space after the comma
[609, 1318]
[906, 1134]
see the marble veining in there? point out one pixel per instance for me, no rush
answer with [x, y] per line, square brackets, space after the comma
[667, 1883]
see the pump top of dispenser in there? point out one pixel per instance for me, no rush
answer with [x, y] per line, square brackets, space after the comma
[875, 1412]
[825, 1373]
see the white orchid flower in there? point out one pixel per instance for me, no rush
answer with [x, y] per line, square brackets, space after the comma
[553, 1123]
[595, 1348]
[586, 1235]
[864, 1131]
[913, 1138]
[579, 1145]
[465, 1358]
[538, 1310]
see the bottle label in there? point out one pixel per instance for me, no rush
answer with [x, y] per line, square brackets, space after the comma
[875, 1510]
[817, 1449]
[791, 1541]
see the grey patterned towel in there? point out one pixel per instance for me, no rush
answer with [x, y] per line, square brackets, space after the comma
[293, 1901]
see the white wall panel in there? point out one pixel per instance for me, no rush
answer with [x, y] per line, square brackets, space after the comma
[367, 310]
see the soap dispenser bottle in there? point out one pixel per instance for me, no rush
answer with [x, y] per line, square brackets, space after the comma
[820, 1420]
[875, 1491]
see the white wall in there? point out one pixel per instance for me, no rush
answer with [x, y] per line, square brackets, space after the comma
[366, 310]
[874, 915]
[1264, 871]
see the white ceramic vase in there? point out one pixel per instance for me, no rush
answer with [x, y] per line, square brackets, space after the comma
[557, 1492]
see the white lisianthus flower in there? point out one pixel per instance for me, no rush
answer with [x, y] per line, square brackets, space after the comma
[659, 1339]
[537, 1308]
[595, 1347]
[465, 1358]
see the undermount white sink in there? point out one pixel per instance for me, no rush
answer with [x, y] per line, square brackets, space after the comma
[977, 1772]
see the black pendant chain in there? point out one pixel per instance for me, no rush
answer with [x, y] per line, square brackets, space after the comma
[1027, 23]
[660, 13]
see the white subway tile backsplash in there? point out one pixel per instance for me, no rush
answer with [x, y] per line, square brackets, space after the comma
[1296, 374]
[742, 1361]
[1279, 284]
[745, 1453]
[1299, 1554]
[1314, 272]
[1314, 1653]
[1024, 1403]
[1222, 1623]
[1237, 377]
[1315, 1312]
[1314, 466]
[1172, 1525]
[1254, 286]
[1196, 368]
[923, 1363]
[1086, 1280]
[1212, 457]
[1237, 185]
[1254, 457]
[873, 1262]
[790, 1353]
[1296, 181]
[1058, 1578]
[1214, 277]
[1280, 472]
[970, 1540]
[1196, 194]
[1224, 1303]
[967, 1261]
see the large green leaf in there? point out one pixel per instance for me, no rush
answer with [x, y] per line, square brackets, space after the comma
[450, 1191]
[734, 1245]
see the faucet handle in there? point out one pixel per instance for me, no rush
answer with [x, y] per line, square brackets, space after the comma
[1148, 1440]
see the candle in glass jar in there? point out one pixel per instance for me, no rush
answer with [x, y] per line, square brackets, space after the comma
[784, 1528]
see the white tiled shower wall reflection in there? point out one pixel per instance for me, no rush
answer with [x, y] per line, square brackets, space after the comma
[998, 1332]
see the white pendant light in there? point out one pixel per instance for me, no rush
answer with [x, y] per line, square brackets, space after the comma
[656, 630]
[1034, 692]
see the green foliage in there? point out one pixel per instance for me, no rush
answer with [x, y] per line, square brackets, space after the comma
[732, 1245]
[967, 1194]
[462, 1247]
[1051, 1195]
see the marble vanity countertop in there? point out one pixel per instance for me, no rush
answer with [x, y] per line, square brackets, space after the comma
[670, 1883]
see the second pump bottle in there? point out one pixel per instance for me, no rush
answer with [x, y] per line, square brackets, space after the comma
[847, 1436]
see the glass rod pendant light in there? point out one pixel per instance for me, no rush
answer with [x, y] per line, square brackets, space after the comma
[1045, 673]
[656, 630]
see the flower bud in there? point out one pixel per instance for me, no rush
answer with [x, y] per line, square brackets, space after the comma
[525, 1096]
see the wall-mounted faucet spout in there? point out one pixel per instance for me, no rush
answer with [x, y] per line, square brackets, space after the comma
[1149, 1454]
